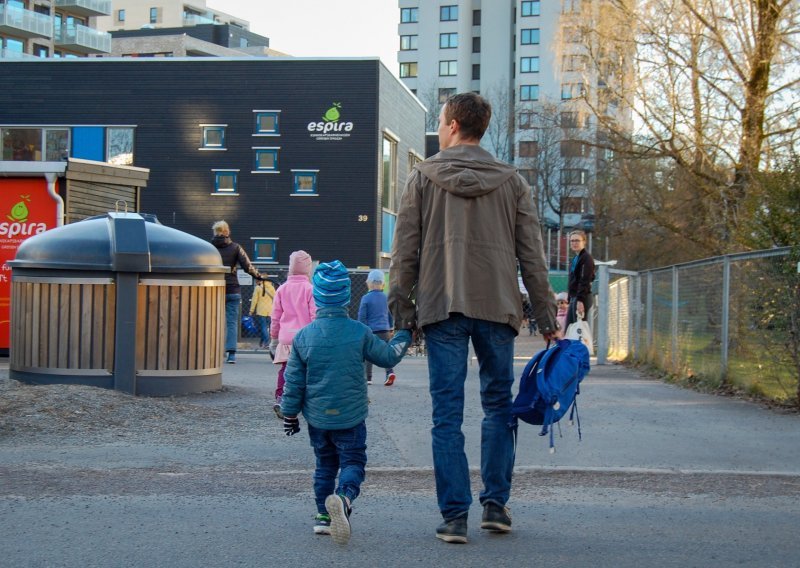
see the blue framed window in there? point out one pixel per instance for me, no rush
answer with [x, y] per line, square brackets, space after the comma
[121, 15]
[409, 15]
[266, 159]
[268, 122]
[529, 65]
[529, 36]
[448, 13]
[304, 182]
[531, 8]
[154, 15]
[448, 41]
[529, 93]
[226, 181]
[265, 249]
[213, 136]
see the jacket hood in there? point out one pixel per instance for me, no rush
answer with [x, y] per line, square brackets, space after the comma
[466, 170]
[220, 242]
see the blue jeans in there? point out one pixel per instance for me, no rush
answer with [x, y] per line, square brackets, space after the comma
[263, 328]
[448, 353]
[232, 302]
[342, 452]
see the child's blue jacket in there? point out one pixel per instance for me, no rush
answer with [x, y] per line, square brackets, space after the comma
[325, 373]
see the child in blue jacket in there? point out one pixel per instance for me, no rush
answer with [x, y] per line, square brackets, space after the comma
[374, 313]
[325, 381]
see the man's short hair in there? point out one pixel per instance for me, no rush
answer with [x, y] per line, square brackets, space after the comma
[472, 113]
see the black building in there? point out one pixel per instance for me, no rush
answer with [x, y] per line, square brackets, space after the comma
[293, 153]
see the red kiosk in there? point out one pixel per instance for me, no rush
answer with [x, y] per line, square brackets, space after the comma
[29, 205]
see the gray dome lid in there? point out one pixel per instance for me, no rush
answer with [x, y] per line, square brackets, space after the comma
[120, 242]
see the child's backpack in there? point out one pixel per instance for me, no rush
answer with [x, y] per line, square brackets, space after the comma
[548, 386]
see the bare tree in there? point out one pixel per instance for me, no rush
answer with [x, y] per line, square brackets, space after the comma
[499, 137]
[713, 85]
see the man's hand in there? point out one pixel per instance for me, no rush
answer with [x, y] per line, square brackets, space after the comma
[291, 425]
[551, 336]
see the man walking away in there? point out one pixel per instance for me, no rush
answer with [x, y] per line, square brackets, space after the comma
[465, 222]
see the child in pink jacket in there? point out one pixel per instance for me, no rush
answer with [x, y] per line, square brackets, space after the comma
[292, 309]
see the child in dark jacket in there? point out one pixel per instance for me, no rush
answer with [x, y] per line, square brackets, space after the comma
[325, 381]
[374, 313]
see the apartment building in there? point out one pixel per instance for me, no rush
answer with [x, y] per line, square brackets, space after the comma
[529, 58]
[52, 28]
[154, 14]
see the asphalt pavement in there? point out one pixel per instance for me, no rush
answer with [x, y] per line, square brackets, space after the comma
[661, 477]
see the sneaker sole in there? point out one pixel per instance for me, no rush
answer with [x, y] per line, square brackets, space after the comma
[495, 527]
[322, 530]
[453, 538]
[340, 524]
[389, 381]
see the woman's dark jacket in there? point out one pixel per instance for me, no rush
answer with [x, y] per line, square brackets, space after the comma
[232, 255]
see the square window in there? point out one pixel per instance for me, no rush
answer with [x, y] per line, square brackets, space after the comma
[530, 36]
[529, 65]
[266, 159]
[265, 249]
[528, 149]
[529, 93]
[119, 146]
[214, 136]
[448, 13]
[409, 15]
[571, 90]
[226, 181]
[448, 68]
[408, 42]
[448, 41]
[304, 182]
[531, 8]
[408, 70]
[445, 94]
[268, 122]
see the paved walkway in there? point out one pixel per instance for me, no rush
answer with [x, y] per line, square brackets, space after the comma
[662, 477]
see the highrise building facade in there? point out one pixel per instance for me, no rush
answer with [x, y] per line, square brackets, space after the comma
[52, 28]
[530, 59]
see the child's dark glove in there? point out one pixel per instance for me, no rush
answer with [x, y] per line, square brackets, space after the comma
[291, 426]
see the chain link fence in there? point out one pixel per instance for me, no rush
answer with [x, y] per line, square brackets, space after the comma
[726, 321]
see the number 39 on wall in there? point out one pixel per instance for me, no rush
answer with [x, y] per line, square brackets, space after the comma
[363, 218]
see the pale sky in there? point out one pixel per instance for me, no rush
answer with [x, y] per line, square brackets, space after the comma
[321, 28]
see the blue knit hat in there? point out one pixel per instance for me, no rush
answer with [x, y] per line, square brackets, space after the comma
[331, 285]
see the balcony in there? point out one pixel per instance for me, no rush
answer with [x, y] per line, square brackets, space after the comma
[24, 23]
[82, 39]
[11, 54]
[196, 19]
[85, 8]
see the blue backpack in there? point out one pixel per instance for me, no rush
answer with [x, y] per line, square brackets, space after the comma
[548, 386]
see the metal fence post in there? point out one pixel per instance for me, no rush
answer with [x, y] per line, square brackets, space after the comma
[726, 301]
[674, 322]
[649, 313]
[602, 314]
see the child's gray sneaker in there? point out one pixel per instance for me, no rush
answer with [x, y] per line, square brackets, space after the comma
[454, 530]
[339, 510]
[322, 524]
